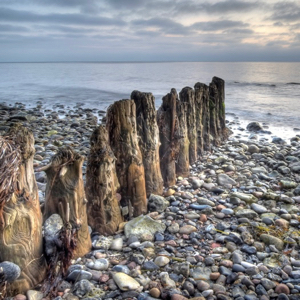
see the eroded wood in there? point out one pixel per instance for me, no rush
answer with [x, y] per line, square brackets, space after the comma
[65, 188]
[21, 240]
[104, 215]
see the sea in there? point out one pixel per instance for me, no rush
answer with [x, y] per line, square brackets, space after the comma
[266, 92]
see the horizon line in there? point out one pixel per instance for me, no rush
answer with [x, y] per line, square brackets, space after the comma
[149, 61]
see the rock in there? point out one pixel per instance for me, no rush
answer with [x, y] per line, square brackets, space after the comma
[246, 213]
[187, 229]
[166, 281]
[9, 271]
[161, 261]
[82, 288]
[254, 127]
[34, 295]
[125, 282]
[52, 227]
[272, 240]
[157, 203]
[282, 288]
[143, 224]
[117, 244]
[225, 180]
[260, 209]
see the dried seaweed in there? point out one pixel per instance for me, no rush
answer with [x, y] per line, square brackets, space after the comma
[61, 260]
[10, 159]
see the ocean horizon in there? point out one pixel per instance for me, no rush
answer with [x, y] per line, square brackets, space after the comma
[267, 92]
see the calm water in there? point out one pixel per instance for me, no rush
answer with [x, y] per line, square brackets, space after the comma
[264, 92]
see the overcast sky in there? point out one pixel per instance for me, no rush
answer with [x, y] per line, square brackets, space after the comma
[149, 30]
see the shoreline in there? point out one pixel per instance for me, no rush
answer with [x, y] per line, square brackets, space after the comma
[216, 240]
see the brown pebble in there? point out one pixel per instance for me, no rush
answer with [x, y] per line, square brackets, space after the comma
[282, 223]
[20, 297]
[220, 207]
[226, 263]
[203, 218]
[100, 255]
[282, 288]
[178, 297]
[214, 276]
[155, 292]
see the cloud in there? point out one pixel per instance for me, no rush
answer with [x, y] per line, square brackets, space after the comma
[164, 25]
[286, 11]
[218, 25]
[11, 15]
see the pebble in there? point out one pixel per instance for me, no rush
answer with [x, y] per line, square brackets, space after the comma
[211, 233]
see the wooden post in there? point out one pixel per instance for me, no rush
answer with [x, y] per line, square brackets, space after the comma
[168, 126]
[182, 161]
[65, 188]
[104, 215]
[187, 95]
[202, 116]
[149, 143]
[21, 240]
[217, 111]
[123, 139]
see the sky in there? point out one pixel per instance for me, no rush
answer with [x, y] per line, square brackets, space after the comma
[149, 30]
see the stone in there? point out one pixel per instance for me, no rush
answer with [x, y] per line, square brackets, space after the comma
[125, 282]
[166, 281]
[254, 127]
[161, 261]
[143, 224]
[282, 288]
[51, 231]
[34, 295]
[116, 244]
[272, 240]
[187, 229]
[225, 180]
[260, 209]
[157, 203]
[9, 271]
[246, 213]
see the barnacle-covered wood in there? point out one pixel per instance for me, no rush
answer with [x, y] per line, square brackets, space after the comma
[104, 215]
[21, 239]
[168, 126]
[65, 189]
[123, 139]
[187, 95]
[149, 143]
[182, 162]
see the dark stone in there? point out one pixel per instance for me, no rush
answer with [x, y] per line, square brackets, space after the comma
[254, 126]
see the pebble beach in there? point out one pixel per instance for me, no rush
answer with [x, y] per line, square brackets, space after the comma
[231, 230]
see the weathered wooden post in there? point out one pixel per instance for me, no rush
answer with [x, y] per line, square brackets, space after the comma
[123, 139]
[168, 126]
[21, 240]
[182, 161]
[104, 215]
[217, 110]
[187, 95]
[149, 143]
[202, 116]
[65, 189]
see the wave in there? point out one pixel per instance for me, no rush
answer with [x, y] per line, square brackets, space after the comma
[252, 84]
[294, 83]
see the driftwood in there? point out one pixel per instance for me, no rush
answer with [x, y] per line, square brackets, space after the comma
[21, 239]
[168, 132]
[65, 196]
[104, 215]
[123, 139]
[149, 143]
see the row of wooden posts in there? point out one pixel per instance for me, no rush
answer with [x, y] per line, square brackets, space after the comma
[137, 152]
